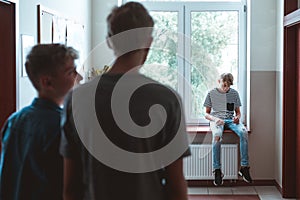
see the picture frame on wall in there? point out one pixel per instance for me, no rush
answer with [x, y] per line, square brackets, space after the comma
[45, 24]
[27, 42]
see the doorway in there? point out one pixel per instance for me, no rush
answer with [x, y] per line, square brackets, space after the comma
[7, 59]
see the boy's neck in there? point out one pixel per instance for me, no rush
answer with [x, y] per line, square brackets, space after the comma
[131, 62]
[222, 91]
[57, 101]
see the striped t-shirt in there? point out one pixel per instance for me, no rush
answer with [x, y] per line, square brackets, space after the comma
[222, 104]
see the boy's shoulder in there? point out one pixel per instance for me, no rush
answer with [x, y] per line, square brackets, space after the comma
[233, 91]
[30, 111]
[213, 90]
[17, 116]
[18, 113]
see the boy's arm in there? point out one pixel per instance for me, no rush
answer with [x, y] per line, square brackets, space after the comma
[176, 187]
[71, 180]
[209, 117]
[237, 116]
[3, 130]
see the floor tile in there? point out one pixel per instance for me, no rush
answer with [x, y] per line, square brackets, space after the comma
[219, 190]
[272, 197]
[243, 190]
[264, 192]
[267, 190]
[198, 190]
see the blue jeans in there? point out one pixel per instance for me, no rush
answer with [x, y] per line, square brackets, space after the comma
[217, 131]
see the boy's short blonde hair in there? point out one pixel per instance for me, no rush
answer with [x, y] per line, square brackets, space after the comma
[227, 77]
[47, 59]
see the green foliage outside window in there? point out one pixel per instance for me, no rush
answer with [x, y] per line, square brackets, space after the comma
[213, 50]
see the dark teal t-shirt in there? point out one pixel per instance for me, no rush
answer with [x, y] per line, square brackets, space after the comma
[31, 166]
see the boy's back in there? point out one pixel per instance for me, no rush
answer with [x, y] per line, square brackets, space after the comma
[100, 180]
[32, 167]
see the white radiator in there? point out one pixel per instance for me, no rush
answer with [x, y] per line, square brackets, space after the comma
[198, 166]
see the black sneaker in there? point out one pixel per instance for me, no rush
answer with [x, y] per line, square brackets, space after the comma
[218, 177]
[244, 172]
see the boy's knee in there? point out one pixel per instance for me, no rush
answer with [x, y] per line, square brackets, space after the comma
[217, 138]
[244, 130]
[244, 133]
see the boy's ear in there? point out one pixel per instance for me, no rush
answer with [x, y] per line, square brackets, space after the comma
[45, 82]
[149, 42]
[108, 42]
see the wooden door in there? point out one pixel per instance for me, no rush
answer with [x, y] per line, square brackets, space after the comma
[7, 60]
[298, 115]
[291, 101]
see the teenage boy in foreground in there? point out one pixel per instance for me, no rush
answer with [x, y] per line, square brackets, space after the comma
[31, 167]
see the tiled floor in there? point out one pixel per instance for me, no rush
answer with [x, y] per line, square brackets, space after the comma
[264, 192]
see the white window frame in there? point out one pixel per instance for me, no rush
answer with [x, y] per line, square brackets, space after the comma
[241, 82]
[184, 9]
[179, 8]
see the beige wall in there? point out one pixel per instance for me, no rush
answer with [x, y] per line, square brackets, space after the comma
[266, 89]
[278, 126]
[263, 35]
[100, 10]
[262, 137]
[263, 65]
[279, 93]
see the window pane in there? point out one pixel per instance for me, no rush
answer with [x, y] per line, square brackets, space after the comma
[214, 50]
[162, 64]
[189, 0]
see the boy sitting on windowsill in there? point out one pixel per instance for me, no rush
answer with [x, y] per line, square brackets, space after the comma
[223, 111]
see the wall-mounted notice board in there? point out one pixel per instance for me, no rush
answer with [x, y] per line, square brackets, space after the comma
[53, 28]
[45, 24]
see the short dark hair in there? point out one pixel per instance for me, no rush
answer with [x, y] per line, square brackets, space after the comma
[227, 77]
[47, 59]
[129, 16]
